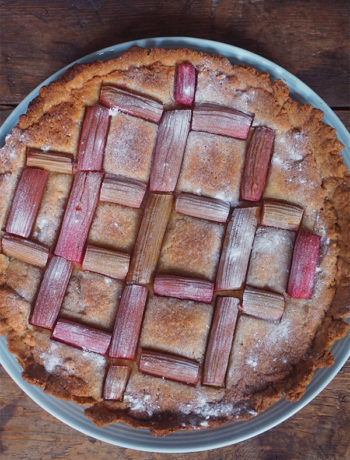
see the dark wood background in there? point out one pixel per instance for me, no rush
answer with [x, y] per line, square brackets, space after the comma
[309, 38]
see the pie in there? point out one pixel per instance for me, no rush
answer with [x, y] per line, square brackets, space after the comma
[175, 243]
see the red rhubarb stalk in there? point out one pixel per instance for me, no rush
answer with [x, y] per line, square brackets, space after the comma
[133, 104]
[263, 304]
[51, 293]
[128, 322]
[219, 119]
[304, 263]
[257, 163]
[169, 366]
[236, 249]
[183, 288]
[93, 138]
[115, 383]
[52, 161]
[78, 216]
[122, 190]
[85, 337]
[281, 215]
[25, 250]
[26, 202]
[202, 207]
[185, 83]
[220, 341]
[149, 238]
[107, 262]
[169, 150]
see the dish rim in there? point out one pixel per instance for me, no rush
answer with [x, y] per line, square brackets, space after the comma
[205, 439]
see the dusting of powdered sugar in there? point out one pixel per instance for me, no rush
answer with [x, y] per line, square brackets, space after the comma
[321, 229]
[50, 358]
[222, 196]
[294, 145]
[277, 160]
[41, 226]
[268, 240]
[269, 344]
[113, 111]
[97, 359]
[56, 356]
[252, 361]
[143, 403]
[280, 334]
[50, 362]
[210, 409]
[290, 150]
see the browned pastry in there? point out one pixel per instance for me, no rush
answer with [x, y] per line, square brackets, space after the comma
[175, 240]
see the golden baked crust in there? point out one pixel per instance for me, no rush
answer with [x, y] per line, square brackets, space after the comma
[269, 361]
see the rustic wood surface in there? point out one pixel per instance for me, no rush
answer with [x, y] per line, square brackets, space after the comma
[310, 39]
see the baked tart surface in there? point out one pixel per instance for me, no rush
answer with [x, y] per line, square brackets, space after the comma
[175, 240]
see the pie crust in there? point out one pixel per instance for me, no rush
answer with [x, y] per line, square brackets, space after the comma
[268, 360]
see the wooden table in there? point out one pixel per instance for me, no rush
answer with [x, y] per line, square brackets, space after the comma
[310, 39]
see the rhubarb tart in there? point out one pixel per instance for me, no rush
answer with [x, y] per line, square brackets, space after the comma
[175, 240]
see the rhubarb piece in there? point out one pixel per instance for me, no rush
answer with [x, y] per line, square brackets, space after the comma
[128, 322]
[183, 288]
[263, 304]
[236, 249]
[78, 216]
[169, 150]
[25, 250]
[202, 207]
[281, 215]
[85, 337]
[133, 104]
[171, 367]
[51, 293]
[257, 163]
[304, 263]
[185, 83]
[93, 138]
[26, 202]
[149, 238]
[220, 341]
[120, 190]
[110, 263]
[219, 119]
[51, 161]
[115, 383]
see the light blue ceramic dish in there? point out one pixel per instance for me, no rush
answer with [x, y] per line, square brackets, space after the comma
[120, 434]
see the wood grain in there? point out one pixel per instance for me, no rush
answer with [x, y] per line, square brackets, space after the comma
[320, 431]
[310, 39]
